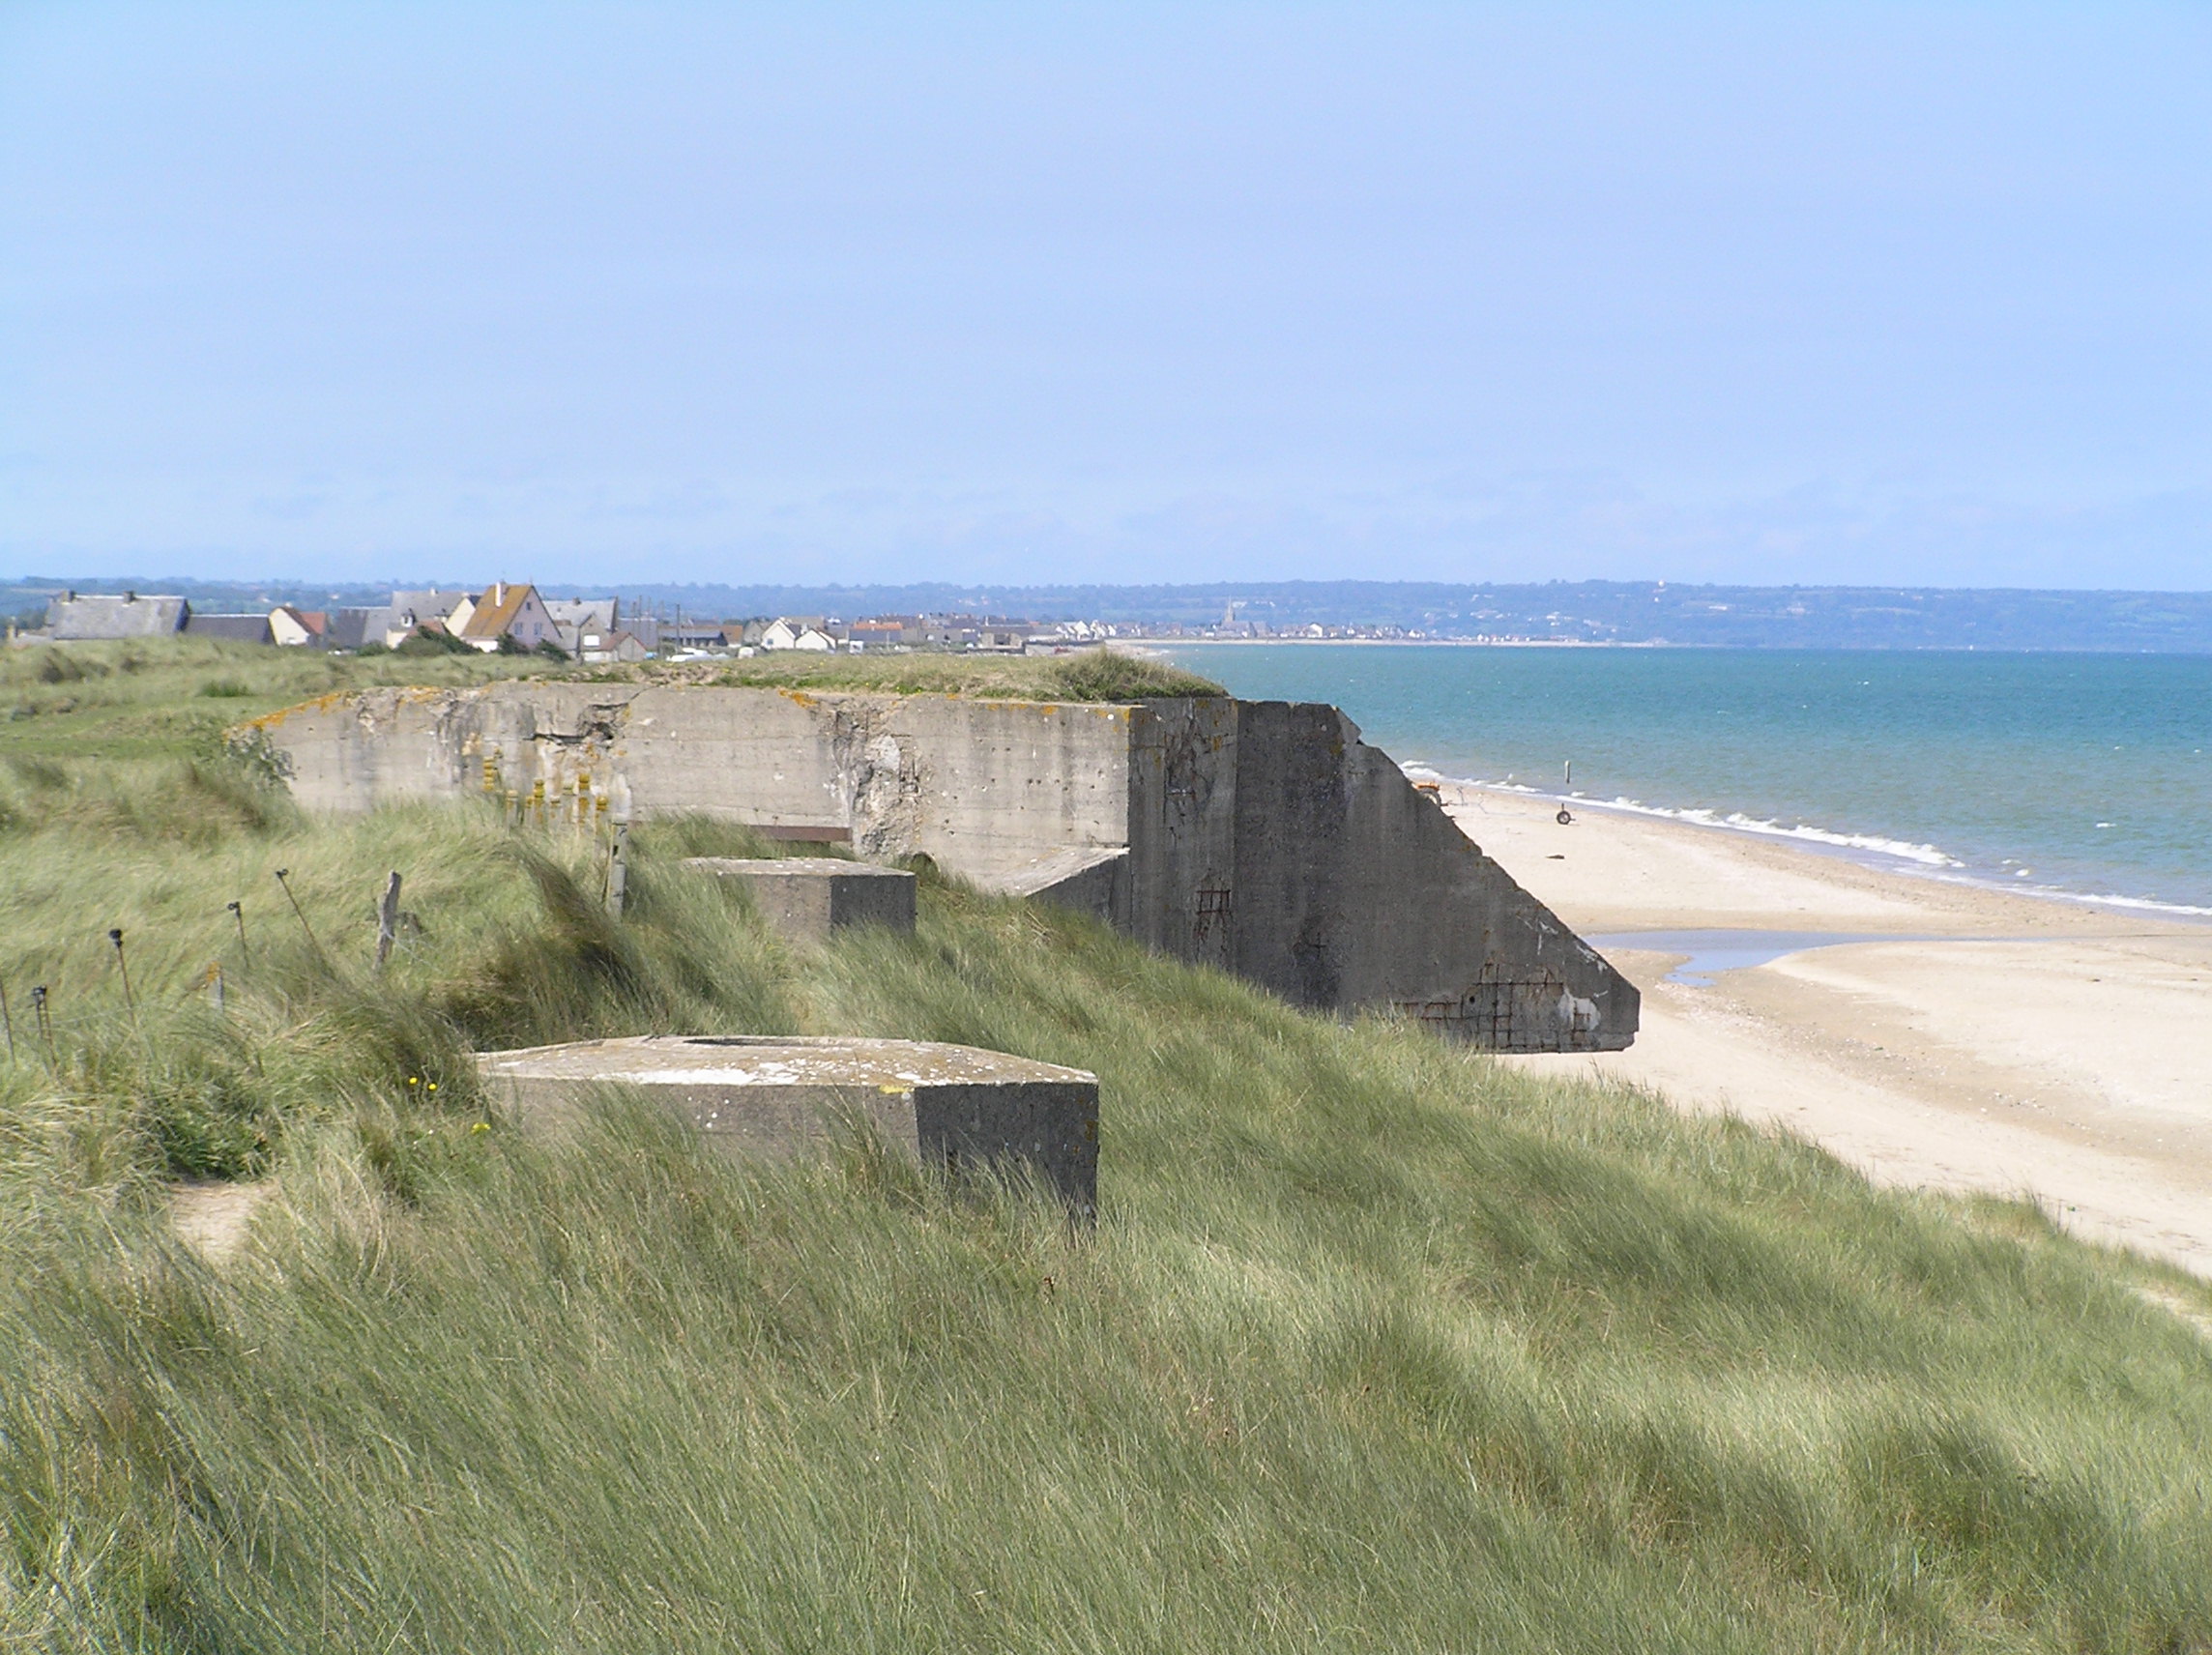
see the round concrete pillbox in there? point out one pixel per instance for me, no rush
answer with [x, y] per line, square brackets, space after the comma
[812, 896]
[780, 1094]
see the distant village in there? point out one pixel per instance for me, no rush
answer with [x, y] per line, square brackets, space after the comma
[514, 617]
[511, 617]
[674, 620]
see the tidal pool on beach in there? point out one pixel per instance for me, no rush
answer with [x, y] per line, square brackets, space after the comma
[1711, 952]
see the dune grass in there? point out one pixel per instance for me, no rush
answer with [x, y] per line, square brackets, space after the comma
[1079, 674]
[1375, 1346]
[166, 698]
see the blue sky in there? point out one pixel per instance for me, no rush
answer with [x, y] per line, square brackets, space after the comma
[1747, 293]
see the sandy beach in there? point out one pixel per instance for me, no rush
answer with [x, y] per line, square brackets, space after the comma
[1930, 1033]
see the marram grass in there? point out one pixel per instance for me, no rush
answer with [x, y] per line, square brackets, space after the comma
[1375, 1346]
[1079, 674]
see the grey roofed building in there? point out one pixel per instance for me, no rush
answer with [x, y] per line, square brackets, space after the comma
[351, 628]
[599, 648]
[594, 614]
[411, 609]
[239, 628]
[691, 634]
[575, 617]
[77, 616]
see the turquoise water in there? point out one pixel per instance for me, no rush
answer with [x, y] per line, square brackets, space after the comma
[2073, 774]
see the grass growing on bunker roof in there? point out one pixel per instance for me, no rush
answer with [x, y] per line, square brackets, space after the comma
[164, 699]
[1079, 674]
[1375, 1346]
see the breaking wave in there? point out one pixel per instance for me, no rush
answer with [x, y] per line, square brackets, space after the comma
[1924, 855]
[1930, 858]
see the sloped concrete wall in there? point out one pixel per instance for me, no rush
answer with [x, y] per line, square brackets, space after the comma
[1267, 838]
[1260, 837]
[1353, 887]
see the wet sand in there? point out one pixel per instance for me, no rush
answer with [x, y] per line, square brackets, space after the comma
[1962, 1038]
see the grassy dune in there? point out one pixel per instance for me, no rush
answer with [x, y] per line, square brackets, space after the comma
[1374, 1347]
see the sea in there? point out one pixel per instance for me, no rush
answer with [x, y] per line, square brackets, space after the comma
[2081, 777]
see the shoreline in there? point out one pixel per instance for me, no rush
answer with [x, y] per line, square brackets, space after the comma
[1932, 1031]
[1181, 642]
[1894, 858]
[1166, 643]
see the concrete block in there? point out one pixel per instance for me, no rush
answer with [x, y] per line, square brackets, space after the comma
[1083, 878]
[1264, 838]
[808, 897]
[779, 1095]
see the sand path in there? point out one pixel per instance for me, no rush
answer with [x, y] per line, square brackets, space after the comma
[212, 1217]
[1973, 1041]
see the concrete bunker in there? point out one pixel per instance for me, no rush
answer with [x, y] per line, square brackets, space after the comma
[1261, 838]
[781, 1096]
[808, 897]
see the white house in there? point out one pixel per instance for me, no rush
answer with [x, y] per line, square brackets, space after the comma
[785, 633]
[296, 628]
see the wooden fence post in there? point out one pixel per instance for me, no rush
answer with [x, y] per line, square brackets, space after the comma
[617, 869]
[388, 920]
